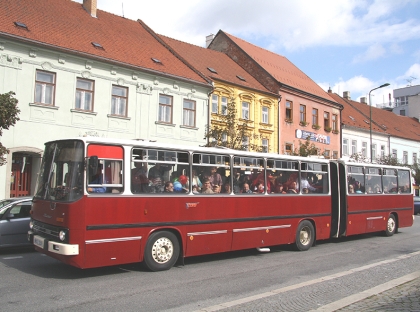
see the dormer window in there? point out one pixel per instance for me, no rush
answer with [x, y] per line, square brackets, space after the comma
[241, 78]
[21, 25]
[157, 61]
[212, 70]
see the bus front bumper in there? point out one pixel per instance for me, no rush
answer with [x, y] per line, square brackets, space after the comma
[54, 247]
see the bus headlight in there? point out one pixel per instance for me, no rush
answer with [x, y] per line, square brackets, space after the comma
[62, 235]
[31, 225]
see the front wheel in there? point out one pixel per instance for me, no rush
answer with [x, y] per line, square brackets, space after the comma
[391, 226]
[162, 251]
[305, 236]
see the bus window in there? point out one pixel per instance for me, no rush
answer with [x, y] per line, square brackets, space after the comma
[314, 178]
[404, 184]
[283, 176]
[159, 171]
[249, 175]
[212, 172]
[356, 177]
[389, 180]
[373, 181]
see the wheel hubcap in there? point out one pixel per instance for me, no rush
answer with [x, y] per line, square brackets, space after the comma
[162, 250]
[391, 225]
[305, 236]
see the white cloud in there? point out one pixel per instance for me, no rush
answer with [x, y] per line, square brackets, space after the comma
[372, 53]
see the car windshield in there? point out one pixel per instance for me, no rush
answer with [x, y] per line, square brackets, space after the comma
[5, 202]
[61, 173]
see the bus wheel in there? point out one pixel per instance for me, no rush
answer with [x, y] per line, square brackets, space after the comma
[391, 226]
[305, 236]
[162, 250]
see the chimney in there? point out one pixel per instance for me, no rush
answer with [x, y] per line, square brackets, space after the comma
[90, 7]
[329, 90]
[209, 39]
[346, 95]
[363, 100]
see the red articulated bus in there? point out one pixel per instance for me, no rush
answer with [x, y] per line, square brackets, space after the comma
[102, 202]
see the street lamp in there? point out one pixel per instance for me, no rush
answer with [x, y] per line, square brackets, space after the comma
[370, 122]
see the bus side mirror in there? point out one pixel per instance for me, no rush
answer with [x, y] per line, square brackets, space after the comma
[93, 164]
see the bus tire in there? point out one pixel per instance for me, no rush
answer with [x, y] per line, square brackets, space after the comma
[162, 251]
[305, 236]
[391, 225]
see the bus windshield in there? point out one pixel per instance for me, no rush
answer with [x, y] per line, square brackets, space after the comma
[61, 173]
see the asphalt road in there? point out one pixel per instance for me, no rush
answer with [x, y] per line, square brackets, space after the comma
[281, 280]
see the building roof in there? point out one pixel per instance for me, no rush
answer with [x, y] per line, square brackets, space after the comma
[215, 65]
[65, 25]
[280, 68]
[383, 121]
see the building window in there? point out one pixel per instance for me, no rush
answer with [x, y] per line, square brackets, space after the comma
[345, 147]
[353, 147]
[224, 137]
[334, 122]
[394, 153]
[327, 154]
[288, 148]
[315, 117]
[265, 115]
[119, 101]
[303, 113]
[373, 151]
[335, 154]
[245, 110]
[44, 87]
[405, 157]
[382, 150]
[224, 105]
[84, 94]
[402, 112]
[264, 143]
[326, 120]
[214, 104]
[189, 113]
[414, 158]
[289, 110]
[165, 108]
[364, 149]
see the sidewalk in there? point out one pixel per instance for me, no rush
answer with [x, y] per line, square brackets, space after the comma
[402, 294]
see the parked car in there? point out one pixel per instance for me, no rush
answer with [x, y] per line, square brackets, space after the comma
[14, 222]
[416, 205]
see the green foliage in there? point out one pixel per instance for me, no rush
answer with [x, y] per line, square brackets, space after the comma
[8, 116]
[388, 160]
[229, 131]
[306, 148]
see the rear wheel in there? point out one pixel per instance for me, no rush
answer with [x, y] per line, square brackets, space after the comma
[162, 251]
[391, 226]
[305, 235]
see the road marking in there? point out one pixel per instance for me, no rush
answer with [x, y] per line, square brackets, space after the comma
[11, 258]
[233, 303]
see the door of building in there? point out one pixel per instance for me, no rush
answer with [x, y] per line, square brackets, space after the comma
[20, 181]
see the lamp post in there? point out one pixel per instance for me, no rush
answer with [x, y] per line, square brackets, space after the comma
[370, 121]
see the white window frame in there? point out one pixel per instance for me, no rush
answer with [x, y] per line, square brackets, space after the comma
[345, 146]
[245, 110]
[264, 115]
[188, 113]
[44, 89]
[353, 147]
[119, 100]
[165, 108]
[215, 104]
[84, 96]
[224, 105]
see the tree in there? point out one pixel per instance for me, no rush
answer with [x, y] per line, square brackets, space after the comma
[306, 149]
[8, 117]
[231, 132]
[388, 160]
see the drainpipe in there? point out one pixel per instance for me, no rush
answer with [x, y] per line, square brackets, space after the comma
[278, 126]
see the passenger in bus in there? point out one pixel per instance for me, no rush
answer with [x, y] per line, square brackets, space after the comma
[216, 189]
[195, 181]
[206, 189]
[358, 188]
[226, 188]
[292, 189]
[156, 177]
[260, 189]
[169, 187]
[305, 183]
[305, 191]
[246, 189]
[139, 180]
[195, 189]
[97, 179]
[214, 177]
[351, 189]
[237, 181]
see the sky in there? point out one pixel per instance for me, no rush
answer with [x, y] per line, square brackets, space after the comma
[345, 45]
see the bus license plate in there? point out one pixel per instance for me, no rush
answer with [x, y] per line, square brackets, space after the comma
[39, 241]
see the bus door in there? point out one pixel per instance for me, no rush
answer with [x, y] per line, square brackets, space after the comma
[335, 200]
[342, 181]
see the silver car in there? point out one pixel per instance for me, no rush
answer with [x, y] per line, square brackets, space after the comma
[14, 222]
